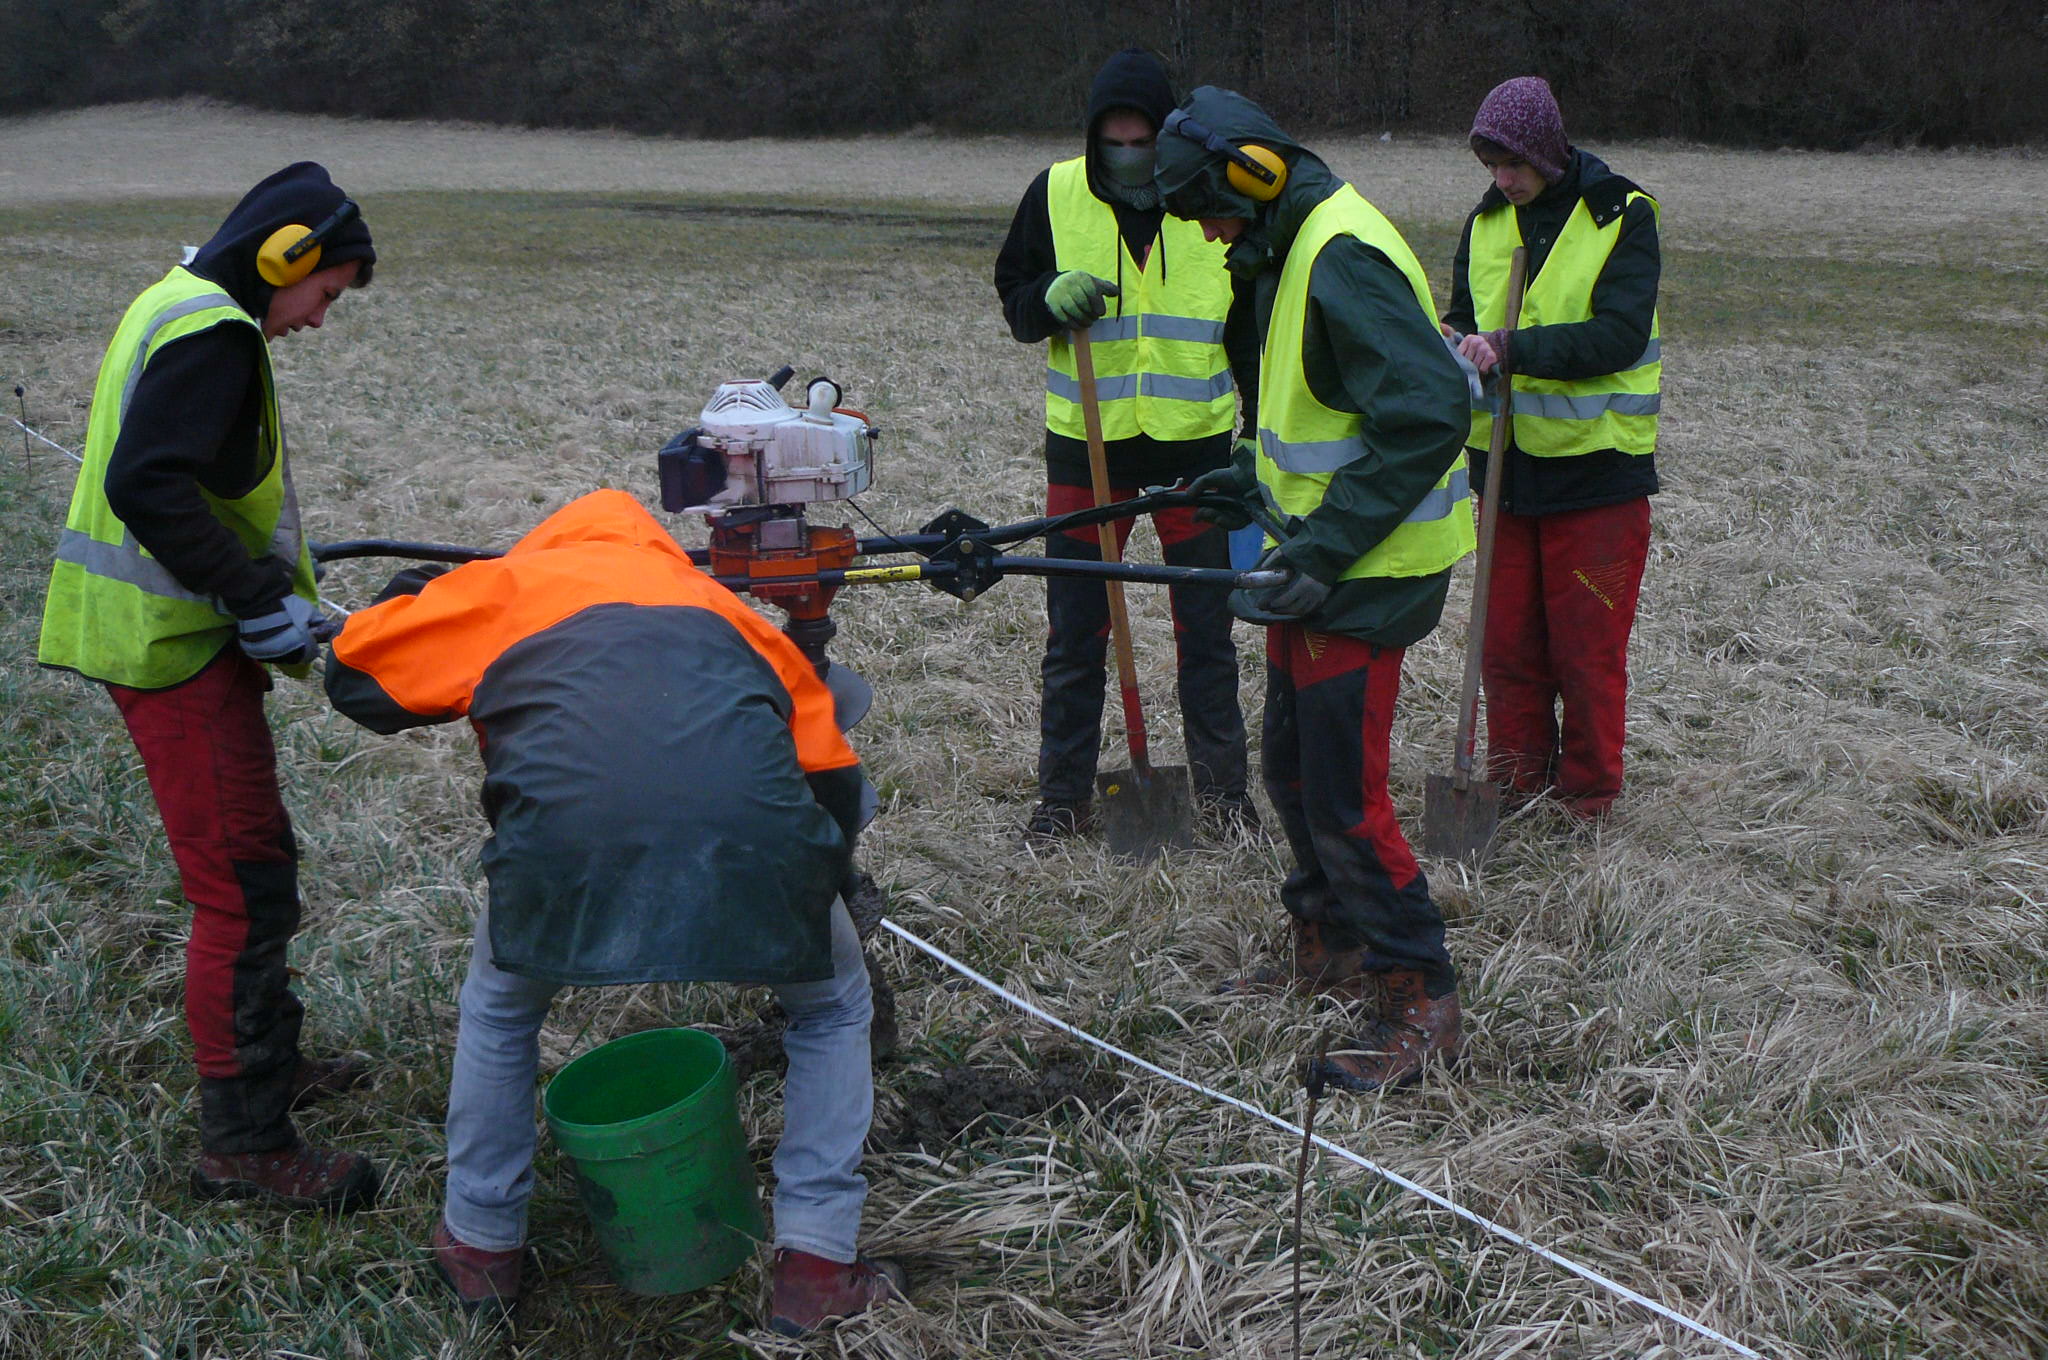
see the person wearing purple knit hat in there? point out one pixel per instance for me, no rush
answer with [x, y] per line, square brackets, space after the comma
[1574, 523]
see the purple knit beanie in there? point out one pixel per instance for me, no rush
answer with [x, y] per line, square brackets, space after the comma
[1522, 116]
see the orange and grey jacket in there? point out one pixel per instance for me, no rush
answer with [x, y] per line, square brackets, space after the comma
[669, 796]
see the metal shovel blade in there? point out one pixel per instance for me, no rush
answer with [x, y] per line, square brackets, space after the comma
[1459, 823]
[1146, 811]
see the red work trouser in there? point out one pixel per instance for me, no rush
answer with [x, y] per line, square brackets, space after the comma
[1329, 716]
[1557, 626]
[213, 769]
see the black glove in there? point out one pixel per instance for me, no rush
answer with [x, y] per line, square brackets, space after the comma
[289, 634]
[1298, 596]
[1238, 480]
[412, 580]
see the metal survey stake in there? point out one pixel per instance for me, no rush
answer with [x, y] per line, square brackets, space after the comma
[1312, 1079]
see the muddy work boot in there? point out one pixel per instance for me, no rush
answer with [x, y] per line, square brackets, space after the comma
[810, 1291]
[1315, 970]
[316, 1079]
[484, 1281]
[1056, 819]
[298, 1176]
[1410, 1031]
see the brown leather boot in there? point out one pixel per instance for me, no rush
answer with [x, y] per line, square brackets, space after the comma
[483, 1281]
[296, 1177]
[1316, 970]
[1411, 1029]
[810, 1291]
[315, 1079]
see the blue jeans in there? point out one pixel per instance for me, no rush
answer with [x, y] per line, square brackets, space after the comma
[827, 1103]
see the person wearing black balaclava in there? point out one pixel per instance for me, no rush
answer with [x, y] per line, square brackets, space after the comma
[1362, 420]
[181, 574]
[1089, 246]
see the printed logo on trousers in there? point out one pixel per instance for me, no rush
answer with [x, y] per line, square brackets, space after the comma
[1603, 581]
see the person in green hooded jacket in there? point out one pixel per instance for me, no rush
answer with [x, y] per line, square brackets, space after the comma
[1360, 460]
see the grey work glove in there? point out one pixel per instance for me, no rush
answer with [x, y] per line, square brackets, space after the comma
[289, 634]
[1298, 596]
[1078, 298]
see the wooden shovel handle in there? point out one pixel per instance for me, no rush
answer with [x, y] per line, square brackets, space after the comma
[1489, 519]
[1119, 619]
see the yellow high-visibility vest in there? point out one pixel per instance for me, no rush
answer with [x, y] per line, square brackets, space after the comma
[1302, 442]
[114, 612]
[1160, 368]
[1559, 417]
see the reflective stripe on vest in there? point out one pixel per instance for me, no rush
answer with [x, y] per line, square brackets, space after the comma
[1302, 442]
[1160, 368]
[1554, 417]
[114, 612]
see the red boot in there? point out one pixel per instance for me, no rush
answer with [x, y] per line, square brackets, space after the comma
[1411, 1029]
[810, 1291]
[297, 1177]
[483, 1281]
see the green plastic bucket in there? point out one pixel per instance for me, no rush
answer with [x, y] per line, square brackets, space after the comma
[652, 1123]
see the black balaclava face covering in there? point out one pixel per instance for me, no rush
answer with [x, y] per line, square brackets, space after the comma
[1132, 81]
[302, 194]
[1127, 175]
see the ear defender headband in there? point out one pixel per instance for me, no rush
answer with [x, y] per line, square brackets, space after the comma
[292, 252]
[1255, 171]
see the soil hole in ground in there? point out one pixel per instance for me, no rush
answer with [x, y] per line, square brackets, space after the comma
[961, 1104]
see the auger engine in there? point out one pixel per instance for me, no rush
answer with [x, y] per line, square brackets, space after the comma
[751, 448]
[750, 466]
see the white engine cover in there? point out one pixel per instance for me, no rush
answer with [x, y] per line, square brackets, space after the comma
[779, 456]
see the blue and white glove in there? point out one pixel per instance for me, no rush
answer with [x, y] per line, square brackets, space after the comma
[288, 635]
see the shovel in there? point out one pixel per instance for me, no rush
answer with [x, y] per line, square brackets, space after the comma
[1460, 812]
[1148, 807]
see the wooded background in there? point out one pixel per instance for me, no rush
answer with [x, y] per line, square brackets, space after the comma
[1817, 73]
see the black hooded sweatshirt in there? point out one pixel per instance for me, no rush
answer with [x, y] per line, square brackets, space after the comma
[192, 423]
[1028, 263]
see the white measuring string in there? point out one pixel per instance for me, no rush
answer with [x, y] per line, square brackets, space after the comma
[34, 433]
[1505, 1234]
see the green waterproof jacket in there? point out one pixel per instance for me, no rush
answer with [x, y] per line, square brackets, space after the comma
[1366, 348]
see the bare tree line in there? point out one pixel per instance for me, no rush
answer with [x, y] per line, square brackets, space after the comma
[1826, 73]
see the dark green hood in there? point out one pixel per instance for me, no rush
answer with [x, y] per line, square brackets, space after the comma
[1194, 180]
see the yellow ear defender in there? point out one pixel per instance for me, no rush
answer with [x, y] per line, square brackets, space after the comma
[1255, 171]
[292, 252]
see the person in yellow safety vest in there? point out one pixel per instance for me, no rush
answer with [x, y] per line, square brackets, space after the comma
[1362, 421]
[1574, 527]
[181, 572]
[1089, 246]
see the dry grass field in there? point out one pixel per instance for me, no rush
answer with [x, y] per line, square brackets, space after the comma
[1771, 1048]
